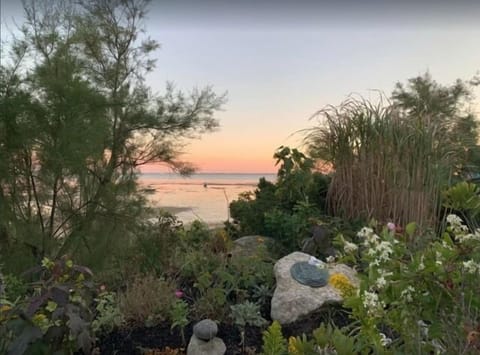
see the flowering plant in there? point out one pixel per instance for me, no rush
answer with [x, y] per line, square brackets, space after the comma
[417, 299]
[56, 317]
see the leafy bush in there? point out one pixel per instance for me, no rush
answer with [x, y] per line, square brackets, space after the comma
[179, 317]
[286, 210]
[291, 228]
[108, 315]
[13, 287]
[425, 300]
[463, 199]
[244, 314]
[152, 251]
[250, 208]
[56, 317]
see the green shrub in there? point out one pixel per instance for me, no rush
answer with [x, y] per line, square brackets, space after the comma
[108, 315]
[273, 341]
[56, 317]
[13, 287]
[463, 199]
[246, 313]
[179, 317]
[283, 210]
[428, 298]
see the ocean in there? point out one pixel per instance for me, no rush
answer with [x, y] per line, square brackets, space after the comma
[202, 196]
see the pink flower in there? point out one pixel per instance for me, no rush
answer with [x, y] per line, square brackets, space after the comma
[391, 226]
[179, 293]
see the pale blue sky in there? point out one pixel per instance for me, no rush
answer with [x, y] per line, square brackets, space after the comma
[281, 61]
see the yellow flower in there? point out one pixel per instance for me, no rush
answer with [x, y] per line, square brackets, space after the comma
[39, 318]
[41, 321]
[292, 346]
[4, 309]
[342, 284]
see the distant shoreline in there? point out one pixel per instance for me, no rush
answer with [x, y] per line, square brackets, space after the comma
[210, 184]
[201, 196]
[209, 179]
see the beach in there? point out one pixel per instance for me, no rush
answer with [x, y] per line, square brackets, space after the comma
[202, 196]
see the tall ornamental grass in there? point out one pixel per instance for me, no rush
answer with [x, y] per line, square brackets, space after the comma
[387, 165]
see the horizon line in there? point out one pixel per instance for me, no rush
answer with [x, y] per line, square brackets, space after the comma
[209, 172]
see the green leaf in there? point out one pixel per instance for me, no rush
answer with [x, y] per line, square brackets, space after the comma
[28, 335]
[273, 341]
[51, 306]
[411, 228]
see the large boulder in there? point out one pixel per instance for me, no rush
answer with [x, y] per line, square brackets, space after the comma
[215, 346]
[292, 300]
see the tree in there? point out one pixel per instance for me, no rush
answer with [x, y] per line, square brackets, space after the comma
[424, 100]
[81, 120]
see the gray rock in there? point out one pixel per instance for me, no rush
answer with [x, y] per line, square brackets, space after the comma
[319, 243]
[205, 329]
[292, 301]
[196, 346]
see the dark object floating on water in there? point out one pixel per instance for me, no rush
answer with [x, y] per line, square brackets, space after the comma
[205, 185]
[149, 190]
[309, 275]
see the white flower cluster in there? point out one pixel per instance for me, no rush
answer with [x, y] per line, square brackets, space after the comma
[369, 236]
[381, 251]
[462, 238]
[384, 340]
[471, 267]
[421, 266]
[381, 282]
[330, 259]
[372, 303]
[461, 230]
[455, 221]
[350, 247]
[407, 294]
[423, 327]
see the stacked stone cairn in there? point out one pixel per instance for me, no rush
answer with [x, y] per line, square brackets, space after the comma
[204, 340]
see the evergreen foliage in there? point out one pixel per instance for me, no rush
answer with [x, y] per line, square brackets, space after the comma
[78, 120]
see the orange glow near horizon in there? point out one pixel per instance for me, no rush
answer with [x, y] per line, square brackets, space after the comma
[221, 166]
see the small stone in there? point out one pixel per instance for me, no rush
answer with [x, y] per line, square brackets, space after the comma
[215, 346]
[205, 329]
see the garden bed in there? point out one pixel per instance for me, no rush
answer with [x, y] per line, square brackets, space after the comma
[139, 340]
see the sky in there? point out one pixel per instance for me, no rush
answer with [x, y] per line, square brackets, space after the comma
[281, 61]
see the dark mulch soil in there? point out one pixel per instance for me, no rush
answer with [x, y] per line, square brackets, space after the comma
[137, 340]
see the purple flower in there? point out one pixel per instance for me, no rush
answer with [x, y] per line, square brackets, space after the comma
[179, 293]
[391, 226]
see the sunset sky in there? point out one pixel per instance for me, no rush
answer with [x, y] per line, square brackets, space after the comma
[280, 61]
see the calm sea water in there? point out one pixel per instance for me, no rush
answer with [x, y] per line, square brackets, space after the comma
[203, 196]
